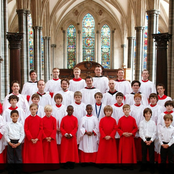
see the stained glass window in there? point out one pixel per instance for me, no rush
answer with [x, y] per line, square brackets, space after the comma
[105, 46]
[88, 37]
[145, 43]
[31, 47]
[71, 47]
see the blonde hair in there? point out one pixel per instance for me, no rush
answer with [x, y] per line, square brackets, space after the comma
[76, 68]
[108, 108]
[168, 116]
[126, 106]
[78, 93]
[48, 108]
[55, 69]
[33, 105]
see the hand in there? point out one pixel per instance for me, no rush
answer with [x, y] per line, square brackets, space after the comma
[58, 129]
[48, 139]
[89, 133]
[148, 143]
[165, 146]
[16, 145]
[126, 134]
[68, 136]
[107, 137]
[11, 144]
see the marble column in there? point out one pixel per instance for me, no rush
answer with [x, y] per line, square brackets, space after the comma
[53, 46]
[130, 51]
[15, 45]
[171, 50]
[138, 59]
[22, 29]
[40, 54]
[151, 54]
[113, 61]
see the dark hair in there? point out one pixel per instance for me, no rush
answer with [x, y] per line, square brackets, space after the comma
[35, 96]
[169, 103]
[13, 97]
[136, 81]
[160, 84]
[65, 80]
[98, 66]
[98, 93]
[146, 110]
[14, 111]
[119, 94]
[88, 77]
[70, 106]
[32, 71]
[153, 95]
[88, 105]
[14, 81]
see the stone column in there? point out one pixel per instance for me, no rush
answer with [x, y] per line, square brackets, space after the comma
[152, 29]
[53, 46]
[130, 51]
[64, 40]
[22, 23]
[138, 59]
[40, 54]
[123, 46]
[112, 62]
[15, 44]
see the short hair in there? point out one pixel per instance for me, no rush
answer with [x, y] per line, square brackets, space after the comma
[55, 69]
[98, 93]
[14, 81]
[108, 108]
[89, 105]
[153, 95]
[58, 96]
[137, 95]
[126, 106]
[98, 66]
[41, 80]
[160, 84]
[168, 117]
[70, 106]
[66, 80]
[169, 103]
[146, 110]
[136, 81]
[32, 71]
[13, 97]
[120, 69]
[48, 108]
[33, 105]
[88, 77]
[35, 96]
[78, 93]
[14, 111]
[119, 94]
[144, 70]
[76, 68]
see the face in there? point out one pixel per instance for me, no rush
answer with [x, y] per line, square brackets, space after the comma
[89, 82]
[56, 73]
[147, 116]
[33, 76]
[77, 99]
[89, 110]
[137, 100]
[14, 117]
[108, 113]
[64, 85]
[35, 100]
[135, 87]
[58, 101]
[167, 122]
[13, 101]
[41, 85]
[98, 99]
[120, 74]
[98, 71]
[33, 110]
[169, 108]
[70, 110]
[77, 73]
[111, 84]
[15, 87]
[145, 75]
[48, 113]
[153, 100]
[126, 111]
[160, 90]
[119, 99]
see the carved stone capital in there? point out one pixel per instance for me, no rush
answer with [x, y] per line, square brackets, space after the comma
[139, 28]
[1, 59]
[123, 46]
[22, 11]
[53, 45]
[36, 27]
[152, 12]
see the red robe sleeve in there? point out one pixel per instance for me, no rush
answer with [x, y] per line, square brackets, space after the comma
[0, 136]
[119, 128]
[0, 108]
[27, 131]
[53, 134]
[135, 128]
[73, 132]
[63, 132]
[40, 130]
[114, 131]
[102, 133]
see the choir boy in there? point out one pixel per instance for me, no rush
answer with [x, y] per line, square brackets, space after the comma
[137, 113]
[45, 98]
[99, 81]
[162, 98]
[166, 139]
[147, 87]
[135, 90]
[33, 149]
[49, 137]
[13, 100]
[30, 87]
[66, 94]
[121, 84]
[88, 132]
[107, 150]
[109, 96]
[77, 83]
[14, 135]
[69, 149]
[147, 131]
[127, 129]
[89, 91]
[22, 103]
[98, 107]
[53, 85]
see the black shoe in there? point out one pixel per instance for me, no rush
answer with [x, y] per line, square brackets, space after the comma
[71, 165]
[65, 166]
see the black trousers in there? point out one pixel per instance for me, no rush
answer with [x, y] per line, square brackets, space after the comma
[144, 152]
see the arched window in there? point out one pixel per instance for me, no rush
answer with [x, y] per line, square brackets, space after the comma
[105, 46]
[88, 37]
[71, 46]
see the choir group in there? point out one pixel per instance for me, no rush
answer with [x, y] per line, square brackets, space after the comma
[91, 120]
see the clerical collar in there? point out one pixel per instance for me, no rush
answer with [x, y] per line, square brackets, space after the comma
[65, 91]
[59, 105]
[138, 105]
[117, 105]
[77, 80]
[41, 94]
[98, 76]
[162, 97]
[89, 115]
[89, 88]
[120, 80]
[112, 93]
[98, 104]
[153, 105]
[55, 79]
[135, 93]
[168, 112]
[12, 108]
[32, 81]
[145, 80]
[77, 103]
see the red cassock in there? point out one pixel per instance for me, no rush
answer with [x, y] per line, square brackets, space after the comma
[50, 148]
[33, 153]
[107, 151]
[69, 150]
[127, 153]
